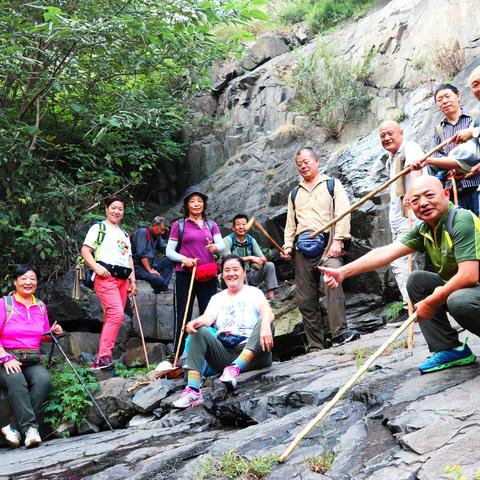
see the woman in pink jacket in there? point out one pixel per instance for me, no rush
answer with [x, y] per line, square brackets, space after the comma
[23, 321]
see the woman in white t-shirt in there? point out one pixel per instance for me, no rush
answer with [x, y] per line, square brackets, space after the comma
[244, 340]
[107, 251]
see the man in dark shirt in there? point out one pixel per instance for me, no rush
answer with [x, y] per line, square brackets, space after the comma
[447, 98]
[146, 243]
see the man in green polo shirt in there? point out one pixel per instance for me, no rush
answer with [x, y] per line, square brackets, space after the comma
[454, 288]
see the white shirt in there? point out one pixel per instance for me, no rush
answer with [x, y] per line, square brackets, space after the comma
[236, 314]
[115, 248]
[412, 152]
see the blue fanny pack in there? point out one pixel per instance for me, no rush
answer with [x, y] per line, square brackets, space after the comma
[311, 247]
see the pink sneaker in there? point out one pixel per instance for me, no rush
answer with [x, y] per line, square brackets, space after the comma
[188, 398]
[229, 376]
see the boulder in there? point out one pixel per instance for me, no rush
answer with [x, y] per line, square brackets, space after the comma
[149, 398]
[266, 47]
[135, 355]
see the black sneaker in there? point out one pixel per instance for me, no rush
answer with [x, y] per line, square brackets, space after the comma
[347, 336]
[103, 363]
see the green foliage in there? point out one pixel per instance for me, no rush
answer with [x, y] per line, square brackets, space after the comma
[391, 311]
[321, 14]
[93, 100]
[331, 89]
[455, 472]
[134, 371]
[69, 401]
[235, 467]
[322, 463]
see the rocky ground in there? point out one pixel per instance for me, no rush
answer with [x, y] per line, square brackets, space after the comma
[395, 423]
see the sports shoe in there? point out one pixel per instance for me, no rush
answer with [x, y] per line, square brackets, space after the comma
[229, 376]
[102, 363]
[188, 398]
[447, 359]
[12, 436]
[347, 336]
[32, 437]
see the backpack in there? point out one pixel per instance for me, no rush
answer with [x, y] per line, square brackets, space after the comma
[9, 307]
[181, 229]
[132, 237]
[330, 188]
[249, 246]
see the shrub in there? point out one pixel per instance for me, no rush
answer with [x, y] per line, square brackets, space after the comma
[321, 463]
[294, 12]
[330, 88]
[69, 401]
[450, 59]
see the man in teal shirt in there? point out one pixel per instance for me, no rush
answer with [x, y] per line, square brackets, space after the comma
[259, 269]
[454, 288]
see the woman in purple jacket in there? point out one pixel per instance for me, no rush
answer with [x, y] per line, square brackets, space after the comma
[194, 240]
[23, 321]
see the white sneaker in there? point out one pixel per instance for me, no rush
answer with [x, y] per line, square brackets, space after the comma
[188, 398]
[229, 376]
[12, 436]
[32, 438]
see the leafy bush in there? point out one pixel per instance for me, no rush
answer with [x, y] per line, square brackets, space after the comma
[322, 463]
[330, 88]
[391, 311]
[235, 467]
[122, 371]
[69, 401]
[321, 14]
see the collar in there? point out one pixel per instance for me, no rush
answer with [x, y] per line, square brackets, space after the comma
[321, 178]
[18, 299]
[446, 121]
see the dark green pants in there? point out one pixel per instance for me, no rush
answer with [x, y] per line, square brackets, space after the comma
[205, 346]
[27, 393]
[463, 305]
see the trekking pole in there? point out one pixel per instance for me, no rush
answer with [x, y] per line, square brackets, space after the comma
[346, 387]
[185, 315]
[377, 190]
[55, 340]
[411, 328]
[253, 223]
[135, 306]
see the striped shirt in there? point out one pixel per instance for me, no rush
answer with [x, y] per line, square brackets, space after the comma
[448, 130]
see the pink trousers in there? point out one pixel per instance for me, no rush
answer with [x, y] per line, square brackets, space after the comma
[112, 292]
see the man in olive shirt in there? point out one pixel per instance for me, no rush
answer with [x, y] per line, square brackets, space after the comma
[313, 206]
[259, 269]
[453, 288]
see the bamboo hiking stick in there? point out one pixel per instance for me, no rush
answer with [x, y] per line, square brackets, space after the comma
[411, 328]
[253, 223]
[135, 306]
[187, 308]
[377, 190]
[346, 387]
[455, 191]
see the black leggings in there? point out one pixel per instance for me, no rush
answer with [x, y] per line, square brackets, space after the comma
[204, 291]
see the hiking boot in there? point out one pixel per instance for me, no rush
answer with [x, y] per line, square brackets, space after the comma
[12, 436]
[103, 363]
[188, 398]
[32, 438]
[347, 336]
[229, 376]
[447, 359]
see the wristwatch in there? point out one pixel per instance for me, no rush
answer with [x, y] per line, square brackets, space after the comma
[476, 132]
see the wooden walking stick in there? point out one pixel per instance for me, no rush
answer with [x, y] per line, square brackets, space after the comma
[347, 386]
[253, 223]
[185, 315]
[377, 190]
[411, 328]
[454, 189]
[135, 306]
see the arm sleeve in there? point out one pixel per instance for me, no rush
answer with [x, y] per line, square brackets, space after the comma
[290, 225]
[141, 244]
[413, 239]
[218, 240]
[466, 238]
[256, 250]
[227, 241]
[46, 327]
[342, 228]
[92, 235]
[3, 316]
[171, 252]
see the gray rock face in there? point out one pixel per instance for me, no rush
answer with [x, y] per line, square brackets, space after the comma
[394, 423]
[266, 47]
